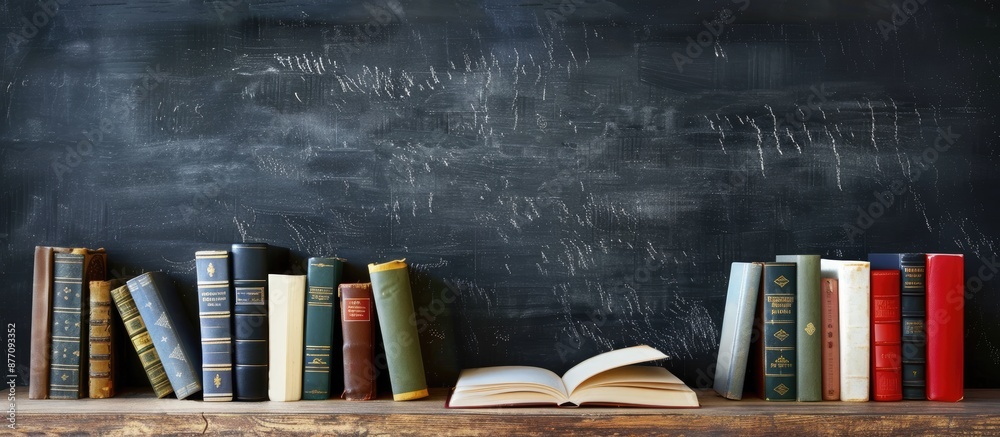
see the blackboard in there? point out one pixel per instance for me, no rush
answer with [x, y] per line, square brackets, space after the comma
[565, 176]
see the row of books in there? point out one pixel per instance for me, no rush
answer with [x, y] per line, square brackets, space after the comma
[809, 329]
[263, 336]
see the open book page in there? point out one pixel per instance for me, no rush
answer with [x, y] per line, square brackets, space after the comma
[636, 385]
[607, 361]
[508, 385]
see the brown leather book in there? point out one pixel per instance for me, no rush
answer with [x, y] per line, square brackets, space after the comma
[830, 304]
[41, 322]
[357, 315]
[102, 360]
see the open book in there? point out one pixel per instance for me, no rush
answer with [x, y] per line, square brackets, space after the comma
[607, 379]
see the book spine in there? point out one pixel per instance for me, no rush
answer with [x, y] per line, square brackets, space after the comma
[66, 379]
[394, 307]
[250, 321]
[102, 359]
[737, 325]
[914, 315]
[160, 307]
[359, 346]
[887, 370]
[41, 324]
[809, 341]
[214, 313]
[323, 275]
[286, 309]
[777, 301]
[831, 340]
[141, 341]
[854, 284]
[945, 327]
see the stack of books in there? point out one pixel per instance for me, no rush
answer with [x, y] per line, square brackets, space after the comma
[811, 329]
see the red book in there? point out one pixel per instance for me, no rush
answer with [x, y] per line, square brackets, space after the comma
[887, 365]
[831, 339]
[945, 327]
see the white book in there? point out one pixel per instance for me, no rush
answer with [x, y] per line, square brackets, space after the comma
[854, 282]
[286, 323]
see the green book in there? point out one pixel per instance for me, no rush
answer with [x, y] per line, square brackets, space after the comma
[394, 306]
[775, 352]
[323, 276]
[67, 378]
[809, 338]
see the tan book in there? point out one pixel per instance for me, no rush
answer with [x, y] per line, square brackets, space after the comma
[606, 379]
[286, 325]
[102, 359]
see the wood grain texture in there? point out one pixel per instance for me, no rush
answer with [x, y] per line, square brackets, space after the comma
[560, 186]
[974, 416]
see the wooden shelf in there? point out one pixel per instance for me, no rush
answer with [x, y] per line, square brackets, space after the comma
[140, 413]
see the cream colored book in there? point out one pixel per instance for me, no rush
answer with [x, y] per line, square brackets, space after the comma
[286, 325]
[606, 379]
[854, 281]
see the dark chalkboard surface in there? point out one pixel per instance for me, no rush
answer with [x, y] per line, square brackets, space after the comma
[565, 176]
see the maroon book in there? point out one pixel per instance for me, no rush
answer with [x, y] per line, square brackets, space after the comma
[831, 339]
[887, 363]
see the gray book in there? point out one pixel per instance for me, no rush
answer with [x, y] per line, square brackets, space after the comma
[737, 325]
[809, 341]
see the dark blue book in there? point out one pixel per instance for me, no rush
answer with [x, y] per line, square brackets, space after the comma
[250, 321]
[215, 315]
[69, 324]
[175, 341]
[913, 303]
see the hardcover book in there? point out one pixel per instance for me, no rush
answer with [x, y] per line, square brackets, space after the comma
[323, 279]
[776, 357]
[737, 325]
[809, 339]
[286, 312]
[250, 321]
[215, 315]
[831, 340]
[607, 379]
[945, 327]
[141, 341]
[357, 319]
[913, 303]
[886, 359]
[394, 306]
[41, 321]
[102, 334]
[174, 339]
[854, 304]
[68, 375]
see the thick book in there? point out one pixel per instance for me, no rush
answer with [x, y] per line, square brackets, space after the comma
[886, 359]
[357, 321]
[215, 317]
[809, 339]
[913, 303]
[737, 325]
[775, 354]
[854, 304]
[945, 327]
[41, 321]
[286, 313]
[610, 378]
[250, 321]
[175, 341]
[394, 307]
[323, 277]
[141, 341]
[102, 335]
[831, 339]
[68, 375]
